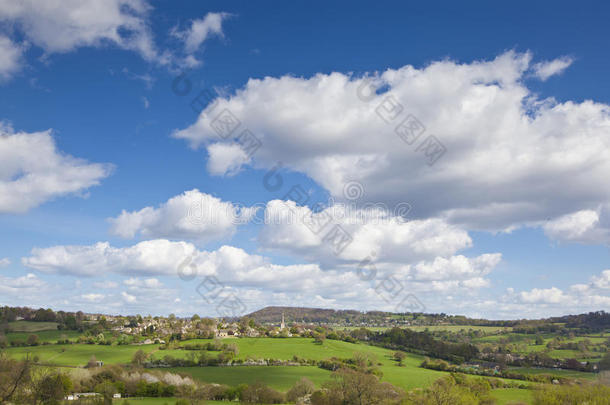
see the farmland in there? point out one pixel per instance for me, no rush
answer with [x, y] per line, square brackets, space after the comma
[227, 357]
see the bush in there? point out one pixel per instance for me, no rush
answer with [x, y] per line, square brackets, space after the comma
[300, 389]
[259, 393]
[589, 394]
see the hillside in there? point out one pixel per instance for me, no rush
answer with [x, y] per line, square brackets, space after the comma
[315, 315]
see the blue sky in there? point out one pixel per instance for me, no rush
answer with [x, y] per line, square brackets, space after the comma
[513, 220]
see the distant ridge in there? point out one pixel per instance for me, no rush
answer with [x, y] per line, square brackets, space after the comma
[273, 314]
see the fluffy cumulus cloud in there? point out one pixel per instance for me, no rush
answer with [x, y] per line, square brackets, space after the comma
[192, 215]
[23, 286]
[585, 226]
[5, 261]
[10, 57]
[33, 171]
[543, 295]
[257, 277]
[504, 147]
[60, 26]
[544, 70]
[226, 159]
[92, 297]
[157, 256]
[550, 301]
[371, 230]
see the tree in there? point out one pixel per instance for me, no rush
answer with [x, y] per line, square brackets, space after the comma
[92, 362]
[539, 340]
[259, 393]
[139, 358]
[399, 357]
[107, 389]
[319, 338]
[300, 389]
[49, 389]
[15, 377]
[32, 340]
[351, 387]
[604, 363]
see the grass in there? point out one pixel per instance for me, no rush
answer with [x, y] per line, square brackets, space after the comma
[79, 354]
[147, 401]
[408, 377]
[278, 377]
[512, 395]
[154, 401]
[554, 371]
[457, 328]
[29, 326]
[44, 336]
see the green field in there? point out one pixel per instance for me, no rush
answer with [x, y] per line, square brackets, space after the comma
[278, 377]
[79, 354]
[29, 326]
[407, 377]
[554, 371]
[154, 401]
[44, 336]
[512, 395]
[457, 328]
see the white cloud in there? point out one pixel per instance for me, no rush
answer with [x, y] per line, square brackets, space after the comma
[149, 283]
[226, 159]
[59, 26]
[192, 215]
[10, 58]
[148, 257]
[5, 261]
[551, 295]
[578, 298]
[603, 281]
[572, 226]
[505, 147]
[24, 285]
[585, 226]
[33, 171]
[200, 30]
[374, 231]
[544, 70]
[241, 270]
[93, 297]
[457, 268]
[105, 284]
[128, 297]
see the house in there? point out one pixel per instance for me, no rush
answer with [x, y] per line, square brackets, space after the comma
[222, 333]
[116, 396]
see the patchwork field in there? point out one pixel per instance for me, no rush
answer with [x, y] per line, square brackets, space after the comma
[51, 336]
[407, 377]
[279, 377]
[457, 328]
[505, 396]
[554, 371]
[28, 326]
[79, 354]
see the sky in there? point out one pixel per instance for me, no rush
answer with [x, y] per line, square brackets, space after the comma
[187, 157]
